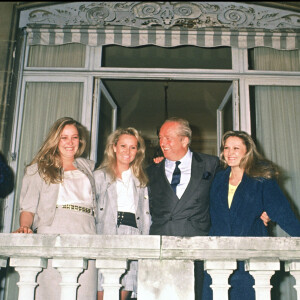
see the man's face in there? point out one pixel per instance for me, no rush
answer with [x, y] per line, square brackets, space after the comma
[173, 145]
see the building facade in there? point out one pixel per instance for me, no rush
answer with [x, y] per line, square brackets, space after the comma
[221, 65]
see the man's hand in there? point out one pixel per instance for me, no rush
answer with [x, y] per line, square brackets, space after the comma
[157, 160]
[265, 218]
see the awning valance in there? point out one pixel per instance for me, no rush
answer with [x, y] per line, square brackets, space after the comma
[131, 37]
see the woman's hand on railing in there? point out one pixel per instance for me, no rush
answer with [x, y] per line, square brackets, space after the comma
[26, 220]
[23, 229]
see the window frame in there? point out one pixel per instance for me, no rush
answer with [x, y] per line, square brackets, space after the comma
[92, 69]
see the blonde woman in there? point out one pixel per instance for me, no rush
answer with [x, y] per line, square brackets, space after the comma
[58, 197]
[122, 199]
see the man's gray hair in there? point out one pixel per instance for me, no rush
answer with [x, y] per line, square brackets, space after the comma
[184, 127]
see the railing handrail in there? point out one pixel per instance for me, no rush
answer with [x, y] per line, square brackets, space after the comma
[29, 254]
[143, 246]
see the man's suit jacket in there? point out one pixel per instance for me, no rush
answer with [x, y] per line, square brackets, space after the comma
[107, 205]
[189, 215]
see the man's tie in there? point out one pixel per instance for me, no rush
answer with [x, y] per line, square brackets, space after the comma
[176, 177]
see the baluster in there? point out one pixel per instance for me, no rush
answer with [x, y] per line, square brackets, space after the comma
[219, 270]
[262, 271]
[69, 270]
[112, 271]
[294, 268]
[28, 268]
[3, 262]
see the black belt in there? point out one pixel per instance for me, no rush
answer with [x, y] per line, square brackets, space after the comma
[126, 218]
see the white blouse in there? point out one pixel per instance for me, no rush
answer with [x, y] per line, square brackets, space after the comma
[75, 189]
[125, 192]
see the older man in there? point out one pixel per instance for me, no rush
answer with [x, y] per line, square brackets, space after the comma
[179, 185]
[179, 188]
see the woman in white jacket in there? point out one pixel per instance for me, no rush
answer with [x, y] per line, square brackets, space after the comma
[58, 197]
[122, 198]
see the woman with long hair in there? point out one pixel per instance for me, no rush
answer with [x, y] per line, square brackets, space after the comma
[122, 198]
[240, 193]
[58, 197]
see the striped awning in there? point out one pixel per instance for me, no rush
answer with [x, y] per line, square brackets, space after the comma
[132, 37]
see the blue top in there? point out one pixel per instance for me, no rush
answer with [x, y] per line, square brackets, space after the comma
[252, 197]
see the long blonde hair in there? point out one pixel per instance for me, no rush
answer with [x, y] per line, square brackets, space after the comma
[48, 157]
[110, 161]
[254, 164]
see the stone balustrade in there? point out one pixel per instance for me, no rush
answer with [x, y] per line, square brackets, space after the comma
[166, 264]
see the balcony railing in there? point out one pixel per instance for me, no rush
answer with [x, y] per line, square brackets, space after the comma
[166, 264]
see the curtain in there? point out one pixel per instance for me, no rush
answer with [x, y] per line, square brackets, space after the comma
[269, 59]
[277, 132]
[44, 104]
[69, 55]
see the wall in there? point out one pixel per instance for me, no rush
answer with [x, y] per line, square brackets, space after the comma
[7, 42]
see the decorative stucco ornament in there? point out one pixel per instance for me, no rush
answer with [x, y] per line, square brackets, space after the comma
[162, 14]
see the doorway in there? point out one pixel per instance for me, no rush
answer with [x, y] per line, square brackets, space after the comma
[144, 104]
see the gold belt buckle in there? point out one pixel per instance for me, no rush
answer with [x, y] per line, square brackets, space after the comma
[78, 208]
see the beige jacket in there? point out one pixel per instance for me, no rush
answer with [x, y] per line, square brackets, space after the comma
[40, 198]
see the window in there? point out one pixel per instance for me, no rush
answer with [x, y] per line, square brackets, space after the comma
[69, 55]
[268, 59]
[183, 57]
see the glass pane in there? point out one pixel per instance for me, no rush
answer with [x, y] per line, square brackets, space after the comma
[188, 57]
[105, 126]
[275, 111]
[268, 59]
[69, 55]
[44, 104]
[227, 116]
